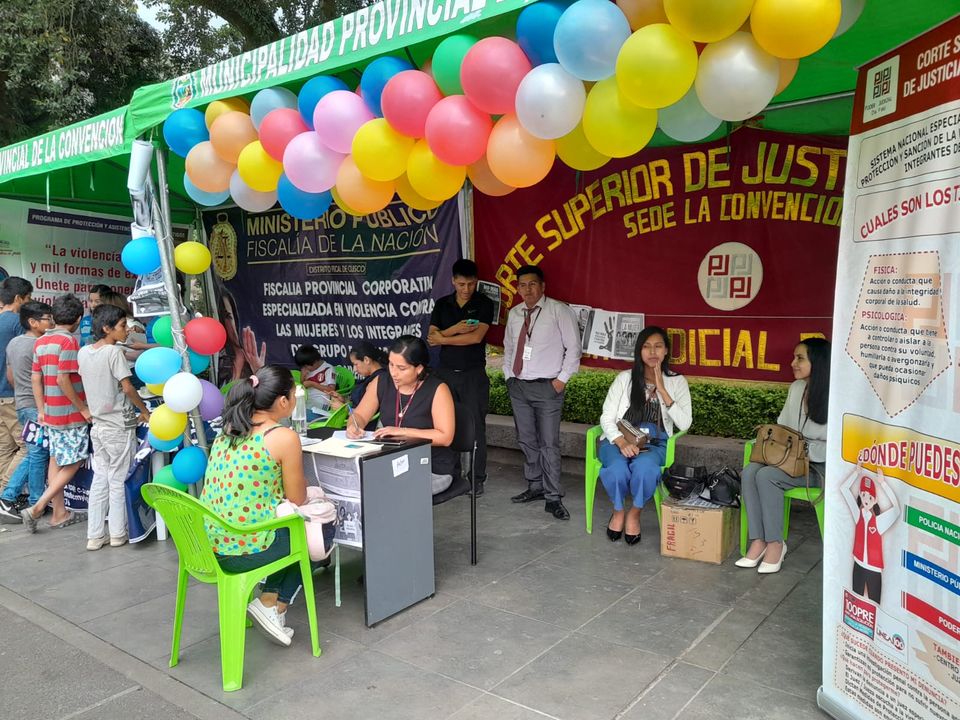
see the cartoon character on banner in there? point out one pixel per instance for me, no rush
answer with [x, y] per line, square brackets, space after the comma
[874, 508]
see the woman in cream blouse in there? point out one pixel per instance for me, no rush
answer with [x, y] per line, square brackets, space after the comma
[650, 396]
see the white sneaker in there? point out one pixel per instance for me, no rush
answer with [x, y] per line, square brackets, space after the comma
[268, 620]
[283, 622]
[118, 540]
[97, 543]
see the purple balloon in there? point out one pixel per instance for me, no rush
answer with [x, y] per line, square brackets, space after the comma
[211, 405]
[309, 164]
[336, 120]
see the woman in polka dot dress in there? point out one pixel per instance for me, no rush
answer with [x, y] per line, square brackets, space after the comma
[254, 465]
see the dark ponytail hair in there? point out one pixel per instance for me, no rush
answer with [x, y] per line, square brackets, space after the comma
[818, 384]
[414, 351]
[363, 350]
[248, 396]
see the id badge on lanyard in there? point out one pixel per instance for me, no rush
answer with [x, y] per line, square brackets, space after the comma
[527, 352]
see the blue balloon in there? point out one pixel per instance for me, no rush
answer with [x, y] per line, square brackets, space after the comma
[299, 204]
[164, 445]
[376, 76]
[157, 365]
[141, 256]
[266, 101]
[198, 363]
[202, 197]
[183, 129]
[313, 91]
[149, 330]
[535, 27]
[189, 465]
[588, 38]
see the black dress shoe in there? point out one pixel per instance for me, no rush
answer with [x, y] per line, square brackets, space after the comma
[556, 508]
[631, 539]
[528, 496]
[614, 535]
[478, 490]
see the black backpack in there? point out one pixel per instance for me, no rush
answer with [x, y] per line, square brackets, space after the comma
[684, 481]
[723, 487]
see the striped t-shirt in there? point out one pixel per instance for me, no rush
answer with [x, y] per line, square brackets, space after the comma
[54, 353]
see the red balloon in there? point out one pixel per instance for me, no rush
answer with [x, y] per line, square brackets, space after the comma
[457, 132]
[407, 99]
[205, 336]
[278, 128]
[491, 73]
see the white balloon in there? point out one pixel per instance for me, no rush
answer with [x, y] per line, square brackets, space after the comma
[686, 120]
[850, 11]
[183, 392]
[736, 78]
[249, 199]
[550, 101]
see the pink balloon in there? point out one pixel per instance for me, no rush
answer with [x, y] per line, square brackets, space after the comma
[278, 128]
[457, 131]
[491, 73]
[337, 118]
[310, 165]
[407, 99]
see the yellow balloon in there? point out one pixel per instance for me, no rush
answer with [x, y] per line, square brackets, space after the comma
[794, 28]
[578, 153]
[788, 69]
[642, 12]
[155, 388]
[219, 107]
[614, 126]
[708, 20]
[361, 193]
[342, 205]
[380, 151]
[411, 197]
[191, 258]
[432, 178]
[257, 169]
[167, 424]
[656, 66]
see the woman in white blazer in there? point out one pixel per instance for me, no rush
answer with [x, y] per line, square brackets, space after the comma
[650, 396]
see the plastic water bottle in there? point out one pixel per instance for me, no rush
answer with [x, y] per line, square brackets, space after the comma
[86, 330]
[300, 411]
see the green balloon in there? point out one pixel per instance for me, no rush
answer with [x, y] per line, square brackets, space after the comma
[166, 477]
[162, 332]
[447, 59]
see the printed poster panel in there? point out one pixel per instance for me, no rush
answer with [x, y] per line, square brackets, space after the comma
[728, 245]
[329, 282]
[891, 586]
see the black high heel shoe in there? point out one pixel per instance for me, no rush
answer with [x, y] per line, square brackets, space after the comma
[613, 535]
[631, 539]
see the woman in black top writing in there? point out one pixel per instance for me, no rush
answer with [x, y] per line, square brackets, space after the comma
[413, 405]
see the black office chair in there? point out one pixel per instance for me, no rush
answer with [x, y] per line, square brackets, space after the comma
[464, 441]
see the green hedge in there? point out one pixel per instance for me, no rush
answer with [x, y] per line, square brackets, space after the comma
[719, 409]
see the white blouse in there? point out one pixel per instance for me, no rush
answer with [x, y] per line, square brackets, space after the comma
[678, 416]
[794, 415]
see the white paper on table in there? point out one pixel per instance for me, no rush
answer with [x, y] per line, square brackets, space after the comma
[343, 448]
[342, 435]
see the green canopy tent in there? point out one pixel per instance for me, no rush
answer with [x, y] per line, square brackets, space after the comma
[90, 172]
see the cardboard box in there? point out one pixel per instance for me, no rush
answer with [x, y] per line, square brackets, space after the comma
[695, 533]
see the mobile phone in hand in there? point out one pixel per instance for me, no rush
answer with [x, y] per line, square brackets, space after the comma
[473, 321]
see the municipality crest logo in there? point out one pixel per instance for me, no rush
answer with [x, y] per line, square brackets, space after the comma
[182, 91]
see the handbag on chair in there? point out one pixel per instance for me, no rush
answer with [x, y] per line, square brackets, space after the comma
[781, 447]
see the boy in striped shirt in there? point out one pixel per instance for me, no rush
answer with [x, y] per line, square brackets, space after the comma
[61, 409]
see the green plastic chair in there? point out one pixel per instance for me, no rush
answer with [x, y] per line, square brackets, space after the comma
[337, 419]
[184, 516]
[346, 380]
[591, 471]
[814, 496]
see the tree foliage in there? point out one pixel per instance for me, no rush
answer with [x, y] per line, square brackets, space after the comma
[65, 60]
[202, 32]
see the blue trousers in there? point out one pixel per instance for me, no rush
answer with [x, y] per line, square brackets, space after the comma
[637, 476]
[32, 470]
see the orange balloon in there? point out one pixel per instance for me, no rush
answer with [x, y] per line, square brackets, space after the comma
[361, 193]
[642, 12]
[485, 181]
[788, 69]
[411, 197]
[516, 157]
[230, 133]
[207, 170]
[219, 107]
[342, 205]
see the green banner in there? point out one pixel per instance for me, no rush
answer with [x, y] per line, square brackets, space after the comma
[933, 525]
[380, 28]
[99, 137]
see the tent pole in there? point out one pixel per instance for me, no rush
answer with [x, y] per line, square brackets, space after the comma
[808, 101]
[210, 290]
[165, 241]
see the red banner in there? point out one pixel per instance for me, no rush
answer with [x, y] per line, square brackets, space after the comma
[730, 245]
